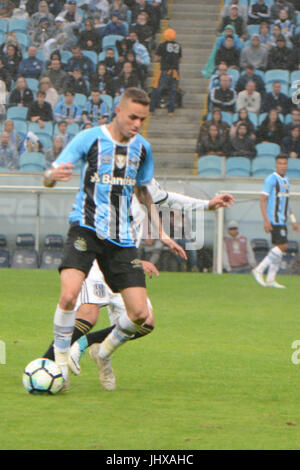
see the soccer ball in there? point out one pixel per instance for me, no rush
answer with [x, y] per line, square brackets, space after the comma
[42, 376]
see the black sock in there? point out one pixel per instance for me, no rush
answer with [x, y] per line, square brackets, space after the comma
[82, 327]
[143, 330]
[98, 336]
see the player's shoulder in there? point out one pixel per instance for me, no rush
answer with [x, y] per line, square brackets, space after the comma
[142, 141]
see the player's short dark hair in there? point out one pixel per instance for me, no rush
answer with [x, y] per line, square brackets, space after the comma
[137, 95]
[281, 156]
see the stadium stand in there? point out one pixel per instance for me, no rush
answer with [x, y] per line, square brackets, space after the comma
[51, 255]
[25, 255]
[4, 252]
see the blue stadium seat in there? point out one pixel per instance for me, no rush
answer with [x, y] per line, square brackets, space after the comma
[267, 149]
[253, 29]
[65, 56]
[110, 41]
[33, 84]
[20, 127]
[80, 99]
[210, 165]
[17, 24]
[53, 251]
[92, 55]
[294, 76]
[238, 166]
[293, 170]
[260, 247]
[32, 161]
[45, 140]
[108, 100]
[23, 39]
[25, 256]
[3, 25]
[17, 112]
[46, 130]
[277, 75]
[235, 74]
[262, 166]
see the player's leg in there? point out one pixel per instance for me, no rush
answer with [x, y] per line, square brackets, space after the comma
[276, 255]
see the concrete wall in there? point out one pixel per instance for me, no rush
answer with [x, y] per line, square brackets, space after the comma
[18, 209]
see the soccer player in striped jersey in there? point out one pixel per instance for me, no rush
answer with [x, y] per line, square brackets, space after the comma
[116, 161]
[275, 210]
[95, 294]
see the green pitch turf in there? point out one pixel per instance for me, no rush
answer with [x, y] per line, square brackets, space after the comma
[215, 374]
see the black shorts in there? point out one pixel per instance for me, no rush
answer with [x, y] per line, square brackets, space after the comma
[279, 234]
[120, 265]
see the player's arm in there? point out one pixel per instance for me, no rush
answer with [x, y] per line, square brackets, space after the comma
[263, 207]
[146, 200]
[294, 221]
[61, 173]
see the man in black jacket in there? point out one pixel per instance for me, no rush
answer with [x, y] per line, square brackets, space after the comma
[40, 110]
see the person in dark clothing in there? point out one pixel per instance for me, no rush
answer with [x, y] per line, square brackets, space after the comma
[103, 80]
[291, 144]
[281, 56]
[77, 83]
[235, 20]
[228, 54]
[128, 78]
[214, 143]
[89, 38]
[223, 96]
[271, 129]
[21, 95]
[242, 145]
[11, 61]
[250, 75]
[40, 110]
[276, 100]
[258, 12]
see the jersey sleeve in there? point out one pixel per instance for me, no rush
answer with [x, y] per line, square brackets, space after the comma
[146, 170]
[75, 150]
[268, 185]
[158, 194]
[180, 201]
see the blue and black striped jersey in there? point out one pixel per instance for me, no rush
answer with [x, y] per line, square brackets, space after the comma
[277, 189]
[110, 171]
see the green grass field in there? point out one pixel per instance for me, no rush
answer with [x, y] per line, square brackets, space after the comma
[215, 374]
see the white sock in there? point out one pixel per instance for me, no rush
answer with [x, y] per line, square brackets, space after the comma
[264, 264]
[122, 332]
[276, 256]
[64, 321]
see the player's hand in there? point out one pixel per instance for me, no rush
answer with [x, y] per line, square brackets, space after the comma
[296, 228]
[63, 172]
[149, 268]
[221, 200]
[173, 246]
[268, 226]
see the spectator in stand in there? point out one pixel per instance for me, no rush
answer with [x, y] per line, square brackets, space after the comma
[229, 30]
[291, 144]
[223, 96]
[89, 38]
[229, 54]
[8, 155]
[63, 132]
[110, 61]
[153, 16]
[95, 111]
[21, 95]
[4, 74]
[255, 54]
[34, 20]
[72, 17]
[6, 8]
[103, 80]
[63, 37]
[52, 154]
[271, 129]
[264, 34]
[287, 27]
[78, 60]
[97, 9]
[77, 83]
[242, 9]
[249, 98]
[57, 75]
[66, 110]
[127, 78]
[276, 100]
[221, 125]
[295, 121]
[215, 79]
[144, 31]
[275, 34]
[258, 12]
[238, 256]
[214, 143]
[54, 6]
[242, 145]
[42, 33]
[14, 138]
[169, 55]
[11, 60]
[279, 5]
[120, 7]
[237, 21]
[51, 94]
[32, 66]
[250, 76]
[115, 26]
[142, 56]
[243, 118]
[40, 111]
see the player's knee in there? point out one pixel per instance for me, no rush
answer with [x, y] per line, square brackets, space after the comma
[138, 315]
[67, 300]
